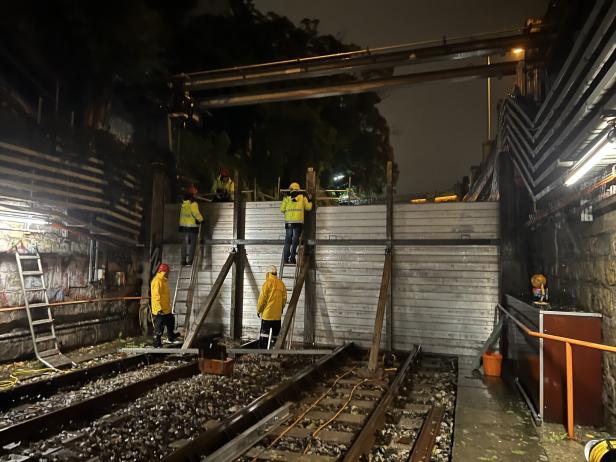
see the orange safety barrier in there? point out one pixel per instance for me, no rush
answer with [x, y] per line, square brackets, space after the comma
[568, 359]
[78, 302]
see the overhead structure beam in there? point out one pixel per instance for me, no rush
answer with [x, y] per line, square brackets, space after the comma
[362, 60]
[338, 89]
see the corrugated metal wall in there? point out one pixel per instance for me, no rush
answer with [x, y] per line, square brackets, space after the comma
[444, 294]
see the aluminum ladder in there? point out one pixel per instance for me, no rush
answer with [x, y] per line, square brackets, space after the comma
[293, 279]
[187, 273]
[40, 318]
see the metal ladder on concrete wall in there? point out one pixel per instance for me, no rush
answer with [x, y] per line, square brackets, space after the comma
[188, 273]
[292, 278]
[40, 318]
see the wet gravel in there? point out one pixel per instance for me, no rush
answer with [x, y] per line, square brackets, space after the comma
[144, 429]
[67, 397]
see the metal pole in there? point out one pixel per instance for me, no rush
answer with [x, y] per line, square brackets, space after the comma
[390, 236]
[310, 301]
[569, 363]
[39, 111]
[239, 221]
[57, 95]
[489, 88]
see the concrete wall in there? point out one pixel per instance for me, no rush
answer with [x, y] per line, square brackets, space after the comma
[444, 294]
[579, 260]
[65, 266]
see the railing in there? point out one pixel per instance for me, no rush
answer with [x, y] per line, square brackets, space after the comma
[568, 358]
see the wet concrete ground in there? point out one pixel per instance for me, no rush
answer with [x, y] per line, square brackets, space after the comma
[494, 424]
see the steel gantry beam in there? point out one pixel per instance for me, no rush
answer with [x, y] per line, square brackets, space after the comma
[338, 89]
[363, 60]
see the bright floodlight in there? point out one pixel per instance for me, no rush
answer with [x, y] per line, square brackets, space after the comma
[338, 177]
[518, 51]
[592, 157]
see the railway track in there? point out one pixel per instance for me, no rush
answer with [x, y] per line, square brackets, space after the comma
[329, 410]
[404, 414]
[138, 420]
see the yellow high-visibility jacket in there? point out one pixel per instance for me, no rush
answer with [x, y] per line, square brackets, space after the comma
[294, 209]
[272, 298]
[159, 288]
[223, 186]
[190, 215]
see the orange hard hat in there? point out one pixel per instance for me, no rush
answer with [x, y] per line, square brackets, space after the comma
[191, 189]
[224, 172]
[163, 268]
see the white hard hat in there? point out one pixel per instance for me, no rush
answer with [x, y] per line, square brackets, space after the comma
[273, 270]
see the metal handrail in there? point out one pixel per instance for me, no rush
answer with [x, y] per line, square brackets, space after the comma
[568, 358]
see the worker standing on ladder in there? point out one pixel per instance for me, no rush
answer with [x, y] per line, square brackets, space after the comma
[293, 206]
[272, 300]
[161, 306]
[223, 187]
[190, 220]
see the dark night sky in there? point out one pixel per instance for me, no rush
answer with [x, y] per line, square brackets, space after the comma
[437, 129]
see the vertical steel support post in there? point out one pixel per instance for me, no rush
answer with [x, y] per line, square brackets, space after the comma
[569, 368]
[390, 236]
[237, 293]
[310, 301]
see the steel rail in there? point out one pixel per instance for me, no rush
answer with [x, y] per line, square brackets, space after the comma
[424, 444]
[89, 409]
[364, 441]
[290, 390]
[33, 391]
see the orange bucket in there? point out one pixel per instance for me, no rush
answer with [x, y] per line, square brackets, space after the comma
[492, 364]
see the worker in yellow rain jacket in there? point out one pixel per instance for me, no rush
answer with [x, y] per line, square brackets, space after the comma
[223, 187]
[271, 301]
[190, 220]
[161, 306]
[293, 206]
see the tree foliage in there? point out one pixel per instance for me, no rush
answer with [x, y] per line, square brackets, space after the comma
[94, 48]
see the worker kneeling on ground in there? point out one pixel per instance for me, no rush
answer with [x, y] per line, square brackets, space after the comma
[190, 220]
[161, 307]
[293, 206]
[223, 187]
[271, 301]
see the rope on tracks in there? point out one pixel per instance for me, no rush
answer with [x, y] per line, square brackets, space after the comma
[16, 375]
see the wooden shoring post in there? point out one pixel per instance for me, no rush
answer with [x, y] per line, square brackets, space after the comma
[209, 302]
[310, 301]
[237, 293]
[288, 317]
[380, 314]
[389, 227]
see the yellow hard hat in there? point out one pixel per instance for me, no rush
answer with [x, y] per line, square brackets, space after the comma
[538, 280]
[294, 186]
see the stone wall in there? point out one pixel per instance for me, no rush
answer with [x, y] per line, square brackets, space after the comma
[579, 260]
[65, 261]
